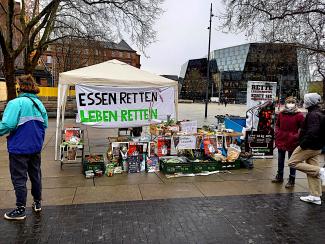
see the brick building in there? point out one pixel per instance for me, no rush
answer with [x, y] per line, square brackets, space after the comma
[68, 54]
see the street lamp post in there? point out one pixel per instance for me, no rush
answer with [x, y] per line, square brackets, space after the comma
[219, 86]
[280, 70]
[280, 91]
[208, 68]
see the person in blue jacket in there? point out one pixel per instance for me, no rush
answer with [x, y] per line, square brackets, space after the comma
[25, 119]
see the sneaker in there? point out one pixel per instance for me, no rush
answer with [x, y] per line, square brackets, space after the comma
[36, 206]
[322, 175]
[16, 214]
[311, 199]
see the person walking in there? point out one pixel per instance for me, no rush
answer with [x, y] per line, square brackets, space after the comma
[25, 118]
[225, 101]
[287, 127]
[305, 157]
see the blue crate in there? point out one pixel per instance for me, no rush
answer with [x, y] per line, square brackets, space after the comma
[235, 123]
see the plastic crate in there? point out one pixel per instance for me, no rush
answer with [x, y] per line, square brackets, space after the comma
[235, 123]
[230, 165]
[100, 165]
[93, 166]
[171, 168]
[209, 166]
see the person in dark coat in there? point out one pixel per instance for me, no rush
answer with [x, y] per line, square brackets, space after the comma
[287, 127]
[305, 157]
[225, 100]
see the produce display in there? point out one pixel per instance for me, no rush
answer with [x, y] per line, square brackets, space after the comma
[173, 148]
[174, 160]
[94, 158]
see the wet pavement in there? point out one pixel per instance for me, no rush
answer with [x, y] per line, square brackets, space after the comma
[69, 186]
[240, 206]
[275, 218]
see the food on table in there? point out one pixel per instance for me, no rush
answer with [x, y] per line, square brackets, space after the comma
[94, 158]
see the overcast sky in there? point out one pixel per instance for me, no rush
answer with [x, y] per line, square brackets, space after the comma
[183, 34]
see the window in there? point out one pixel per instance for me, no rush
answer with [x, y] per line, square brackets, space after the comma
[48, 59]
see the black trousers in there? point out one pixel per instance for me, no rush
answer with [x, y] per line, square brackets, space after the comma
[20, 166]
[281, 159]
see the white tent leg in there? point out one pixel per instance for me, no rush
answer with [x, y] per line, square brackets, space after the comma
[58, 113]
[62, 98]
[64, 102]
[176, 102]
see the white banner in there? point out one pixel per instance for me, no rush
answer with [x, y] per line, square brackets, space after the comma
[122, 107]
[259, 92]
[259, 130]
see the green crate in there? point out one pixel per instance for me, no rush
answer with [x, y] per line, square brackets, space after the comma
[230, 165]
[100, 165]
[171, 168]
[199, 167]
[93, 166]
[212, 166]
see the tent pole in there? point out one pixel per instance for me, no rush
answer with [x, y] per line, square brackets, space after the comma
[57, 122]
[64, 103]
[176, 102]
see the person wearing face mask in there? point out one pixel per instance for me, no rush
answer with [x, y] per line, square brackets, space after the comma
[305, 157]
[287, 127]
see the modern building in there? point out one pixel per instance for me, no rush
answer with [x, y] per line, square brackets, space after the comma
[231, 68]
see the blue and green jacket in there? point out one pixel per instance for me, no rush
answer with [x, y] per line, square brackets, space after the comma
[25, 124]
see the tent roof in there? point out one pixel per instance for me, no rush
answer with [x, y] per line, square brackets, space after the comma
[114, 73]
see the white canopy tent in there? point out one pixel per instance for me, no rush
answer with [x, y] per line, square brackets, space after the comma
[111, 73]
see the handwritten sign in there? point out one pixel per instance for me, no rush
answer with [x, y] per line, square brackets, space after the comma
[186, 142]
[189, 126]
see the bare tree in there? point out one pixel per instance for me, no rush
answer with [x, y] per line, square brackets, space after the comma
[297, 22]
[17, 22]
[71, 53]
[41, 22]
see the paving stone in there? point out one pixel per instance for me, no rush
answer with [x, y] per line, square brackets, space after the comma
[273, 218]
[107, 194]
[176, 190]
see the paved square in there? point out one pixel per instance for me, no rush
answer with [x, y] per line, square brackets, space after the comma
[276, 218]
[228, 207]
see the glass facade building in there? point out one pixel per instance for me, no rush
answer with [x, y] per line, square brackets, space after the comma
[232, 67]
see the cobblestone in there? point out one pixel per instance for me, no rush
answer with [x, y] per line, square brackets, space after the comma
[275, 218]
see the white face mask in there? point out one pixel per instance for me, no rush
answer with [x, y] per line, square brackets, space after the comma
[290, 105]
